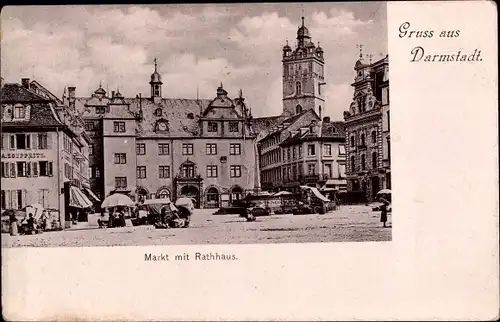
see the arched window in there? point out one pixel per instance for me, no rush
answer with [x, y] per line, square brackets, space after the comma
[374, 160]
[362, 139]
[353, 164]
[363, 162]
[164, 193]
[236, 194]
[374, 136]
[157, 90]
[298, 109]
[298, 88]
[212, 198]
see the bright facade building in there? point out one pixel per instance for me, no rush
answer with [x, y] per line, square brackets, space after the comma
[152, 147]
[44, 152]
[368, 130]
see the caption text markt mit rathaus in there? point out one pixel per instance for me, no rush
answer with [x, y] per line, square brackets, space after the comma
[419, 53]
[161, 257]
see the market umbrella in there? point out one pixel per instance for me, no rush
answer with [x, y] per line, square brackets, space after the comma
[34, 208]
[384, 192]
[185, 202]
[117, 199]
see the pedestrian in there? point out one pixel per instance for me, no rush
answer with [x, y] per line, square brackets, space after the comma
[383, 212]
[13, 224]
[31, 224]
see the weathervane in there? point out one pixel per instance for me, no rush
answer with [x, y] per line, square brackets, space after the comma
[156, 63]
[370, 56]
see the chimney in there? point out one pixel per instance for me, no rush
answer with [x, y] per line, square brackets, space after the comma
[112, 94]
[25, 82]
[71, 92]
[326, 119]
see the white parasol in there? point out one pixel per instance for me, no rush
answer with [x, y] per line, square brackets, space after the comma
[117, 199]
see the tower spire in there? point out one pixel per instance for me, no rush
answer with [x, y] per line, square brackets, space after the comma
[302, 21]
[360, 47]
[156, 64]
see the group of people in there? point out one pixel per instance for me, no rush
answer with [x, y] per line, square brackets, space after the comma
[28, 225]
[172, 218]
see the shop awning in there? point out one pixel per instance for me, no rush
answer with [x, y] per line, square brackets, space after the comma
[92, 194]
[77, 199]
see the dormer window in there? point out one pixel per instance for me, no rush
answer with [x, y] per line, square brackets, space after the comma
[212, 127]
[190, 116]
[19, 111]
[158, 112]
[162, 126]
[100, 110]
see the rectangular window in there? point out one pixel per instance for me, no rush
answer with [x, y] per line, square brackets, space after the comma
[311, 149]
[327, 149]
[294, 153]
[327, 171]
[119, 126]
[164, 148]
[233, 126]
[120, 182]
[211, 171]
[19, 112]
[164, 171]
[100, 110]
[91, 149]
[388, 120]
[212, 127]
[45, 169]
[89, 126]
[187, 148]
[120, 158]
[21, 169]
[140, 148]
[300, 151]
[284, 154]
[342, 170]
[311, 169]
[234, 149]
[211, 148]
[341, 149]
[141, 172]
[4, 203]
[22, 141]
[235, 171]
[97, 172]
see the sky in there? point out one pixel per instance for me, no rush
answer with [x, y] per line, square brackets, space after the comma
[198, 46]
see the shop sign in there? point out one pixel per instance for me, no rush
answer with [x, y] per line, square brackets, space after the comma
[23, 155]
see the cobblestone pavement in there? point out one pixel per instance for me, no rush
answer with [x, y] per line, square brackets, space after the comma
[348, 224]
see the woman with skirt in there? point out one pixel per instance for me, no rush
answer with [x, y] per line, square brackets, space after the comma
[13, 225]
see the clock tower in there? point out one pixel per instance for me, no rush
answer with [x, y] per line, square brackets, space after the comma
[303, 75]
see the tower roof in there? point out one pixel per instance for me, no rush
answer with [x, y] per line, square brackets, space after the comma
[156, 77]
[303, 32]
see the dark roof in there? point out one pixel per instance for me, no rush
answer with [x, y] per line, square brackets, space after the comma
[333, 129]
[15, 93]
[260, 124]
[39, 112]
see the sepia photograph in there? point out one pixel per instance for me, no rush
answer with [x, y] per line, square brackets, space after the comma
[189, 124]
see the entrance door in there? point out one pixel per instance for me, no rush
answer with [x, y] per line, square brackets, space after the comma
[213, 198]
[375, 186]
[191, 192]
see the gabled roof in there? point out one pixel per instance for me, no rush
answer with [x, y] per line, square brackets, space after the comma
[41, 113]
[325, 131]
[16, 93]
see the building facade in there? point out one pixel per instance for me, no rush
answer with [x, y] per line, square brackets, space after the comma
[303, 75]
[155, 147]
[368, 130]
[44, 152]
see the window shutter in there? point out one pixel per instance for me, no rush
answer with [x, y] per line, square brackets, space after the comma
[49, 170]
[12, 144]
[35, 169]
[28, 169]
[34, 141]
[13, 169]
[23, 200]
[49, 141]
[40, 197]
[13, 199]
